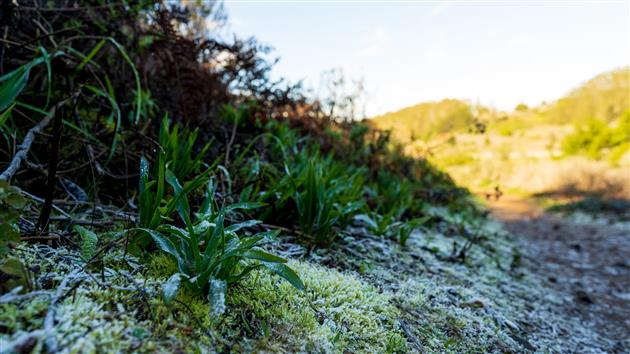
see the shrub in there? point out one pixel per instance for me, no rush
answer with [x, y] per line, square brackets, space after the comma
[595, 137]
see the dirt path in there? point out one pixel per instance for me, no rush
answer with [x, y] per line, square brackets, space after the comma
[588, 265]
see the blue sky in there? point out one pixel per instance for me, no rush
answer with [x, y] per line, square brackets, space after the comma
[496, 53]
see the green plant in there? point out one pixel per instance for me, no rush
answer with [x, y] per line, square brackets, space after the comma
[315, 206]
[177, 148]
[155, 205]
[406, 228]
[390, 225]
[14, 273]
[379, 224]
[210, 256]
[327, 194]
[175, 154]
[11, 203]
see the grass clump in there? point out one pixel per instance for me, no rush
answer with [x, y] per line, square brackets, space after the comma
[209, 254]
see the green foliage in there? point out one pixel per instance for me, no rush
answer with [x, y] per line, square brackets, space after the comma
[11, 203]
[12, 271]
[391, 193]
[315, 205]
[405, 229]
[521, 107]
[596, 137]
[392, 226]
[210, 255]
[89, 241]
[12, 83]
[155, 204]
[380, 224]
[177, 148]
[326, 193]
[176, 155]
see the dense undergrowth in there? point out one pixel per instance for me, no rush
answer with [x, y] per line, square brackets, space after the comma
[160, 193]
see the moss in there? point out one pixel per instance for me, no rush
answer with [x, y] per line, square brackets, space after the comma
[337, 313]
[161, 265]
[23, 317]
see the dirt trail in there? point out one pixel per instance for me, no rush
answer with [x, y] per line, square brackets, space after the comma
[588, 265]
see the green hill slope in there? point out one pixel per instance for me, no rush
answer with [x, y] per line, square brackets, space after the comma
[604, 97]
[428, 119]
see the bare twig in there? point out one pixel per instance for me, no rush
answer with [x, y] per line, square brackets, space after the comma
[69, 9]
[229, 145]
[40, 238]
[15, 296]
[75, 221]
[42, 223]
[41, 200]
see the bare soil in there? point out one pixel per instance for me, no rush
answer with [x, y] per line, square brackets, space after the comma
[588, 265]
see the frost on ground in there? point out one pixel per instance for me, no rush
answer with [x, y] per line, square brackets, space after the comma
[368, 295]
[583, 258]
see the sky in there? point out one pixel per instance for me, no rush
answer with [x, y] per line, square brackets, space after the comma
[494, 53]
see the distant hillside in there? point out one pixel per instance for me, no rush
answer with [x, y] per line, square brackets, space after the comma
[427, 119]
[604, 97]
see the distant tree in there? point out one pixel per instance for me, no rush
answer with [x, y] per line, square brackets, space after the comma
[342, 98]
[521, 107]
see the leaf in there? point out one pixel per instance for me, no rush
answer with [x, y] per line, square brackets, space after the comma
[244, 206]
[6, 114]
[216, 296]
[285, 272]
[117, 115]
[216, 237]
[367, 220]
[241, 225]
[181, 203]
[14, 83]
[89, 241]
[12, 266]
[90, 56]
[261, 255]
[46, 58]
[126, 57]
[420, 221]
[162, 242]
[170, 288]
[144, 194]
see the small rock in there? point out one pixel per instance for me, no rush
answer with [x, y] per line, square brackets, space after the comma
[623, 296]
[522, 341]
[584, 297]
[452, 291]
[475, 303]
